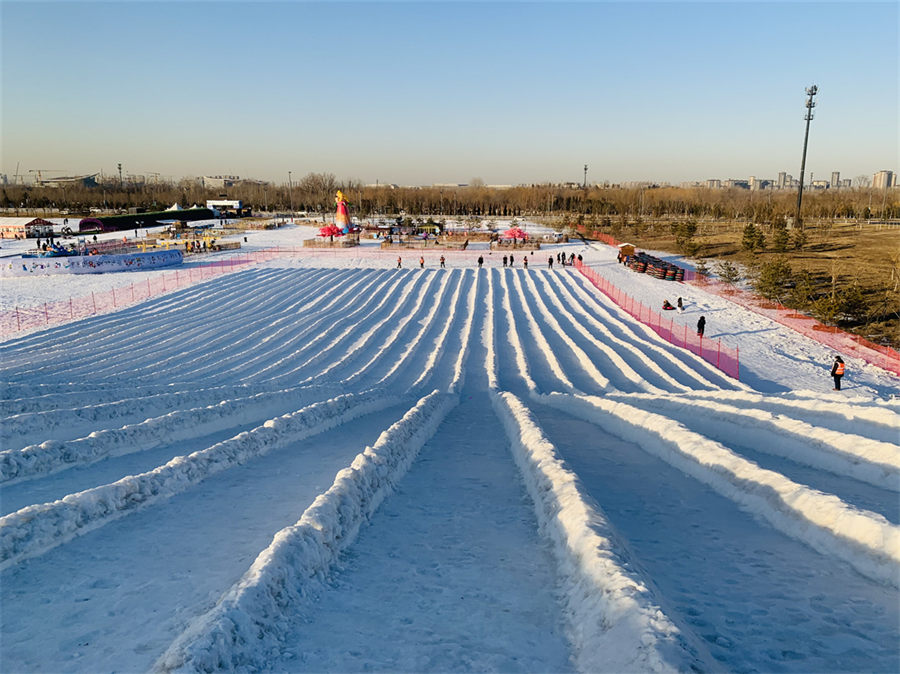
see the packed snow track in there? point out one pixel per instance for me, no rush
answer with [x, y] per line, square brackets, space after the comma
[312, 469]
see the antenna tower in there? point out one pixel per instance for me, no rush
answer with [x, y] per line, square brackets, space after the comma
[811, 92]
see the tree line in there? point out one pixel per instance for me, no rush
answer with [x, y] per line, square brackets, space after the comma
[594, 205]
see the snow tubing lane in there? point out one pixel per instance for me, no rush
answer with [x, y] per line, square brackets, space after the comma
[38, 528]
[613, 616]
[250, 618]
[866, 540]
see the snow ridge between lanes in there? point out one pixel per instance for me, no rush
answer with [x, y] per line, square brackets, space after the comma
[54, 420]
[616, 623]
[51, 456]
[856, 415]
[864, 539]
[871, 461]
[38, 528]
[249, 621]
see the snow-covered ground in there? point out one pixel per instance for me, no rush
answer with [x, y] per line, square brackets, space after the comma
[326, 463]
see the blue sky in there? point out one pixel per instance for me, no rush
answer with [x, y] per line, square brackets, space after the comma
[424, 92]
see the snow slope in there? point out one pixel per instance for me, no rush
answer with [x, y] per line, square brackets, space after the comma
[325, 463]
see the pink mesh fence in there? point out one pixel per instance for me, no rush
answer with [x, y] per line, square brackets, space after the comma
[51, 313]
[832, 337]
[711, 350]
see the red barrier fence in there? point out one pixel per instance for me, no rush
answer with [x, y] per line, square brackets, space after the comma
[52, 313]
[711, 350]
[832, 337]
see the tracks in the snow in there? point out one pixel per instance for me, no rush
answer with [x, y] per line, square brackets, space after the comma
[186, 400]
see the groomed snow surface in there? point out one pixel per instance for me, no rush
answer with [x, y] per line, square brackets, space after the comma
[324, 463]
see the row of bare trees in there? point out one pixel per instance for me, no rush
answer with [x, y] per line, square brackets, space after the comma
[600, 205]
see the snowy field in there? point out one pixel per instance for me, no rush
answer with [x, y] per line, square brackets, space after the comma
[324, 463]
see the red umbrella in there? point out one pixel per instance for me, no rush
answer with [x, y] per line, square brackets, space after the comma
[515, 233]
[331, 230]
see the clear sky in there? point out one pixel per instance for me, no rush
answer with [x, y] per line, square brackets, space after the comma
[442, 92]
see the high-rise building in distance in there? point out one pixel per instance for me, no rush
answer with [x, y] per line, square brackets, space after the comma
[883, 179]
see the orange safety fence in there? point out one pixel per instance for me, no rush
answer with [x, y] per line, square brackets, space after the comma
[832, 337]
[711, 350]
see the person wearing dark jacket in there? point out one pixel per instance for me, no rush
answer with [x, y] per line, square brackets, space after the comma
[701, 326]
[837, 371]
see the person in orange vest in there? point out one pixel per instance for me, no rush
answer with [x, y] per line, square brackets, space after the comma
[422, 262]
[837, 371]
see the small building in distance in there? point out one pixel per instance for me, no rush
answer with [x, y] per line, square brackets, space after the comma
[220, 182]
[70, 181]
[24, 228]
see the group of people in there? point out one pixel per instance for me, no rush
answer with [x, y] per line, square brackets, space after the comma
[192, 246]
[563, 260]
[667, 306]
[837, 368]
[679, 305]
[508, 260]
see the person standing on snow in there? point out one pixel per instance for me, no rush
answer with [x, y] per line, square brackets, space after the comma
[550, 263]
[504, 260]
[837, 371]
[680, 306]
[442, 262]
[422, 263]
[399, 262]
[480, 261]
[701, 326]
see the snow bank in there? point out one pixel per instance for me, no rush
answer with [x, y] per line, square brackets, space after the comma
[38, 397]
[872, 461]
[487, 336]
[459, 370]
[855, 415]
[52, 456]
[251, 618]
[435, 349]
[684, 360]
[399, 316]
[866, 540]
[580, 316]
[537, 335]
[512, 336]
[58, 418]
[37, 528]
[618, 362]
[438, 299]
[616, 623]
[549, 319]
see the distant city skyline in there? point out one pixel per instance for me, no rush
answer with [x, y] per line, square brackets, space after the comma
[782, 180]
[443, 92]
